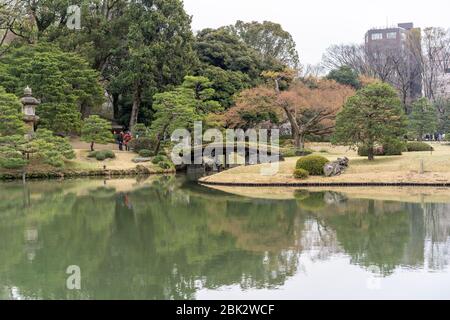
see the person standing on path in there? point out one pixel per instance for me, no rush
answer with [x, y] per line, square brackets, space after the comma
[126, 139]
[120, 140]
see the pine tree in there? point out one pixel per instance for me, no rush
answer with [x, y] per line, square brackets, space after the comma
[96, 130]
[423, 118]
[374, 115]
[11, 122]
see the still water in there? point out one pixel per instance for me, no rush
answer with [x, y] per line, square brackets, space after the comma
[168, 238]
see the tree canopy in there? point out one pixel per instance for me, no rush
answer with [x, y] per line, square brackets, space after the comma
[269, 39]
[11, 122]
[423, 118]
[96, 130]
[345, 75]
[15, 148]
[64, 82]
[373, 116]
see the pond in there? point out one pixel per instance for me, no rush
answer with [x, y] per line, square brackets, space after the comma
[169, 238]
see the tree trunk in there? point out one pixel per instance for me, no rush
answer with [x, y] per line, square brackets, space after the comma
[299, 141]
[136, 106]
[370, 153]
[115, 102]
[160, 136]
[92, 146]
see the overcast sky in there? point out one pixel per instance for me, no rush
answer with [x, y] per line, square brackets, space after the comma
[316, 24]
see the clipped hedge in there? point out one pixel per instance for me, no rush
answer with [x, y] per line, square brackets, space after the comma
[418, 147]
[301, 174]
[313, 164]
[109, 154]
[145, 153]
[391, 148]
[102, 155]
[292, 152]
[394, 148]
[363, 151]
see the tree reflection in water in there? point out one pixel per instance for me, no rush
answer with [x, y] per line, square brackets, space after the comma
[169, 238]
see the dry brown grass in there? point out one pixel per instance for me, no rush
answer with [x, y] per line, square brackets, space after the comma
[403, 168]
[123, 161]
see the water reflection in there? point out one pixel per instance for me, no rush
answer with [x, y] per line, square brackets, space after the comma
[168, 238]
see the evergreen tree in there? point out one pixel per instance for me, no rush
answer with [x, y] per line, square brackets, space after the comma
[96, 130]
[11, 122]
[345, 75]
[157, 52]
[203, 94]
[64, 83]
[423, 118]
[374, 115]
[174, 109]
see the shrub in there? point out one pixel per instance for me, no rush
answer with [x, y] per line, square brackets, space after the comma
[394, 148]
[313, 164]
[390, 148]
[159, 158]
[109, 154]
[363, 151]
[301, 174]
[145, 153]
[287, 153]
[141, 143]
[100, 156]
[92, 154]
[12, 163]
[418, 146]
[165, 164]
[292, 152]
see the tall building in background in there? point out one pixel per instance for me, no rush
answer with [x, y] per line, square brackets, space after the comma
[392, 54]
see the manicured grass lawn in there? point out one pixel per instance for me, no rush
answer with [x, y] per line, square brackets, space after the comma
[403, 168]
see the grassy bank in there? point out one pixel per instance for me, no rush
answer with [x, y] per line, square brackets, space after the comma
[393, 169]
[82, 166]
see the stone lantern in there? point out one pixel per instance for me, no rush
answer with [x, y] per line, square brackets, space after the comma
[29, 109]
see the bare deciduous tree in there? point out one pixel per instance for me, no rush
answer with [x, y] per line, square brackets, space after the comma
[351, 55]
[433, 57]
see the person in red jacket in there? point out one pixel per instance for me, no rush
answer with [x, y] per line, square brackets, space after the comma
[126, 140]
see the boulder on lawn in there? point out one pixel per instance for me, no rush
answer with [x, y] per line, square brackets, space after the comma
[335, 168]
